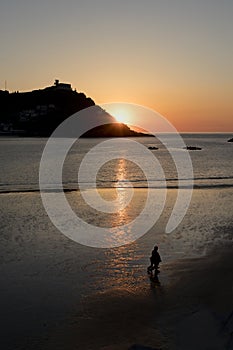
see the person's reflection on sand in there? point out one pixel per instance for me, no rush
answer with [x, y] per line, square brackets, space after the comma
[154, 279]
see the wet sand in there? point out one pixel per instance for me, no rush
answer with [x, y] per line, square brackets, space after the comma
[197, 310]
[56, 294]
[191, 310]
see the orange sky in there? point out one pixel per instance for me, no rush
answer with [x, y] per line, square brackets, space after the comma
[174, 56]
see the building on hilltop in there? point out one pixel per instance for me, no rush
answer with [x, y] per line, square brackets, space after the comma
[62, 86]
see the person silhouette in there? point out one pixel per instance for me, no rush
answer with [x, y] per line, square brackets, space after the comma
[155, 259]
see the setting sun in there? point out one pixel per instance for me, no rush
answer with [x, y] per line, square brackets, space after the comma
[121, 116]
[121, 112]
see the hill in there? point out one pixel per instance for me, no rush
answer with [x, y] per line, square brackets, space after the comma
[39, 112]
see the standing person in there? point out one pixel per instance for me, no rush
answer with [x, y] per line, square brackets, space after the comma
[155, 259]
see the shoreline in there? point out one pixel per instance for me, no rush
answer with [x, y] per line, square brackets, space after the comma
[18, 191]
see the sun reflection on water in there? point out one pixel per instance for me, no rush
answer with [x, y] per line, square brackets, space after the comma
[129, 203]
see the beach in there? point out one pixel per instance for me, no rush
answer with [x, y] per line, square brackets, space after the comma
[58, 294]
[193, 312]
[116, 145]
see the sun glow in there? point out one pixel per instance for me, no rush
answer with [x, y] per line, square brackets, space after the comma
[121, 116]
[128, 113]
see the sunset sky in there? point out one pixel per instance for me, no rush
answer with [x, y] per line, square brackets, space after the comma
[174, 56]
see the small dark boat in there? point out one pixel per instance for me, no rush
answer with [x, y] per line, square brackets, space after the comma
[231, 140]
[152, 148]
[193, 148]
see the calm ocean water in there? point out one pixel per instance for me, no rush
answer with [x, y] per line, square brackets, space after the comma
[212, 166]
[207, 223]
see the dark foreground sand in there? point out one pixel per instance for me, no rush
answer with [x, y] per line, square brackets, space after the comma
[191, 309]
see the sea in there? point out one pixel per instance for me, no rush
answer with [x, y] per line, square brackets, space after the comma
[46, 277]
[212, 166]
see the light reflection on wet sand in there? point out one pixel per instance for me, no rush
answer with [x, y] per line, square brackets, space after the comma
[49, 276]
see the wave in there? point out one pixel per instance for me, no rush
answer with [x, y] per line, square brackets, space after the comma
[175, 179]
[137, 180]
[75, 189]
[171, 183]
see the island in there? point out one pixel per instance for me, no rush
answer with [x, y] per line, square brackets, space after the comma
[39, 112]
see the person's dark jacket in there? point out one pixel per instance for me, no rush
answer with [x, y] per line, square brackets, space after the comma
[155, 257]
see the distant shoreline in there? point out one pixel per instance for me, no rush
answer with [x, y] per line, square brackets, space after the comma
[23, 135]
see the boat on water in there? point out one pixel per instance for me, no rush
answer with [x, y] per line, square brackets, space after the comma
[152, 148]
[193, 148]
